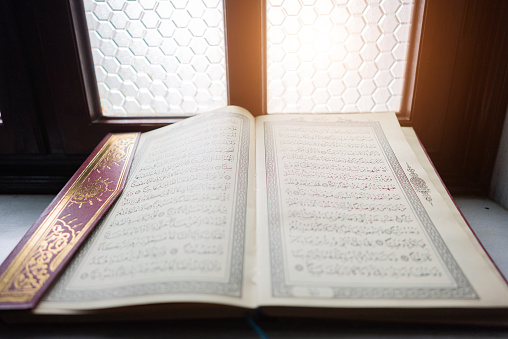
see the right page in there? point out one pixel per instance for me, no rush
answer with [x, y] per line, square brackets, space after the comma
[347, 216]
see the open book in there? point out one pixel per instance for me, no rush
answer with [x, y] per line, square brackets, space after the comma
[333, 215]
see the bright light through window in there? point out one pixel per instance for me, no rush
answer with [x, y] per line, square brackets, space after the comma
[336, 56]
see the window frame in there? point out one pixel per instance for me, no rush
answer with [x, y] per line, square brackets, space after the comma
[404, 114]
[246, 59]
[84, 129]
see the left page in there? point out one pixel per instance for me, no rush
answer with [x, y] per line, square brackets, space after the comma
[181, 228]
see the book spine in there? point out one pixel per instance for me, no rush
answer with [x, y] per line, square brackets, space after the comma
[53, 239]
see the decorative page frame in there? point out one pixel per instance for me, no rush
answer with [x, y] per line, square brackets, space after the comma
[233, 287]
[281, 287]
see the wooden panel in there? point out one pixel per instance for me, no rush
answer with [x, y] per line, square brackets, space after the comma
[437, 59]
[488, 105]
[245, 46]
[460, 94]
[19, 132]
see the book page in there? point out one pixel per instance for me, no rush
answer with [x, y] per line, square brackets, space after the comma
[348, 217]
[181, 228]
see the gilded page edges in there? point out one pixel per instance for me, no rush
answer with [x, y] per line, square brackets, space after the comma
[50, 243]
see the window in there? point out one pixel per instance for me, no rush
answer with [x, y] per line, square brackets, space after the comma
[325, 56]
[52, 116]
[158, 57]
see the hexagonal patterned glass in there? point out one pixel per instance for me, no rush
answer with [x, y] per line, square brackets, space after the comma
[336, 55]
[156, 57]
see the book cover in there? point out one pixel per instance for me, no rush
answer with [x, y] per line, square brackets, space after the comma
[53, 239]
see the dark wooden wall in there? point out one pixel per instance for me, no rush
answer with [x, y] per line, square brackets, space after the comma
[461, 90]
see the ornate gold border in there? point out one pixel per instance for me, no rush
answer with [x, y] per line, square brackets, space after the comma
[52, 241]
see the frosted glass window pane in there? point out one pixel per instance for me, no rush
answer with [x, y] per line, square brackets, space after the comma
[155, 57]
[336, 56]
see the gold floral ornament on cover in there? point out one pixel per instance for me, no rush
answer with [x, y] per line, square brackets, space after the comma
[53, 239]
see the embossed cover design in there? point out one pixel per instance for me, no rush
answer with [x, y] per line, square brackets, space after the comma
[52, 240]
